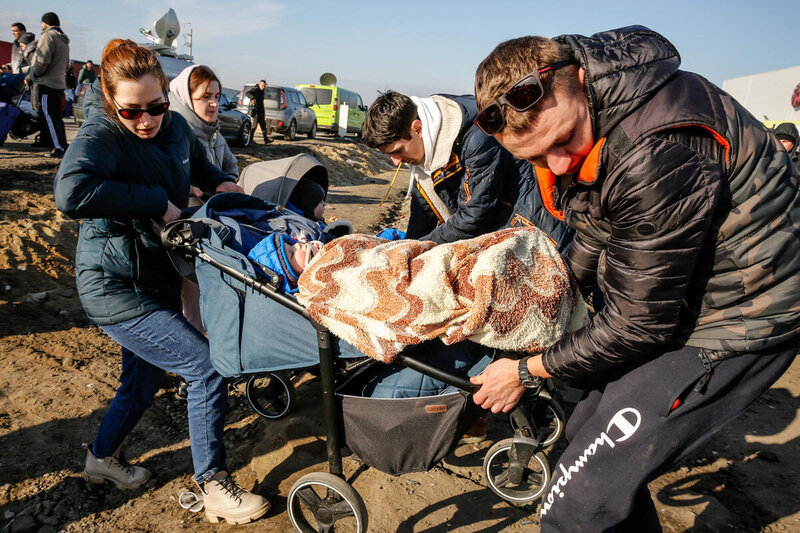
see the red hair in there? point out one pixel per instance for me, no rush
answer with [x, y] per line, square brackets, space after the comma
[200, 76]
[123, 59]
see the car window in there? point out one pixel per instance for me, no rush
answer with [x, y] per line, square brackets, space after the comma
[317, 96]
[293, 97]
[223, 100]
[359, 101]
[301, 99]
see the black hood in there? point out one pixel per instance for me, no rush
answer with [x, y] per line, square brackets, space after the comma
[624, 68]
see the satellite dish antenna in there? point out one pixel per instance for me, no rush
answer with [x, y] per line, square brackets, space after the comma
[328, 79]
[167, 28]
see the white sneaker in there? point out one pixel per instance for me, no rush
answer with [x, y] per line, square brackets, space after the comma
[123, 475]
[224, 499]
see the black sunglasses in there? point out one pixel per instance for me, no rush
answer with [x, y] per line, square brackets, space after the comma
[134, 113]
[520, 97]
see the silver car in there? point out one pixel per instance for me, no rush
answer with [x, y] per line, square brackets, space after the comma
[285, 109]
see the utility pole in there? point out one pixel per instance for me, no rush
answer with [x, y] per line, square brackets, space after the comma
[188, 37]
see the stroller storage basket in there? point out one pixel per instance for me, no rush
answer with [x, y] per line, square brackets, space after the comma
[402, 435]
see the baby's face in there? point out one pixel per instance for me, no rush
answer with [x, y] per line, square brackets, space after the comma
[319, 210]
[300, 254]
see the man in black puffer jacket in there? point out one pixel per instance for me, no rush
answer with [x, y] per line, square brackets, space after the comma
[687, 215]
[463, 183]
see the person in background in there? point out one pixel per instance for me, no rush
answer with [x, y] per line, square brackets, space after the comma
[27, 43]
[256, 95]
[17, 30]
[128, 171]
[686, 214]
[87, 74]
[463, 183]
[47, 75]
[194, 94]
[69, 92]
[787, 134]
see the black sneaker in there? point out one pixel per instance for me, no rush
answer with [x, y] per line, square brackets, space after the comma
[267, 140]
[56, 153]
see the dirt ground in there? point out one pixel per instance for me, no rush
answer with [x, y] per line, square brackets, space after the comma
[58, 374]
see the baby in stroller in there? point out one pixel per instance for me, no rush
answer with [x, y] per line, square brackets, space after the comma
[298, 186]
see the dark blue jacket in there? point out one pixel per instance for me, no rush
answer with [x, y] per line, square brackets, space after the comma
[119, 182]
[486, 190]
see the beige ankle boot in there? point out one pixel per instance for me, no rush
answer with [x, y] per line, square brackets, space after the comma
[224, 499]
[123, 475]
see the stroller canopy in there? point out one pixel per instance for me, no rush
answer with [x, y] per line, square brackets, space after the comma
[274, 181]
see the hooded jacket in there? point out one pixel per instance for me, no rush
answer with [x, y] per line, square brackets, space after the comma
[687, 214]
[118, 183]
[21, 62]
[478, 181]
[219, 154]
[51, 59]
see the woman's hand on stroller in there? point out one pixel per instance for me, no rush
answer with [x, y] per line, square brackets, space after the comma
[228, 186]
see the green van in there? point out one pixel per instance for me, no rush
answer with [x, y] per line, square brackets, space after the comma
[326, 101]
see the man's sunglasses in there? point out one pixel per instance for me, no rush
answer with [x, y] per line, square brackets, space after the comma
[520, 97]
[134, 113]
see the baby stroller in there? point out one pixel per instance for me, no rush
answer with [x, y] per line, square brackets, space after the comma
[246, 312]
[17, 118]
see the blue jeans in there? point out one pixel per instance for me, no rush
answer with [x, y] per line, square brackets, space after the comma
[152, 343]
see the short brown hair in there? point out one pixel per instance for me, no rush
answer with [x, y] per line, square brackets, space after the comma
[513, 59]
[201, 76]
[126, 60]
[389, 119]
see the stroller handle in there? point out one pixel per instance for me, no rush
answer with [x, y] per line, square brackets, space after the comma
[435, 373]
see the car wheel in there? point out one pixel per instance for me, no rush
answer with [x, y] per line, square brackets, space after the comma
[291, 133]
[245, 134]
[312, 133]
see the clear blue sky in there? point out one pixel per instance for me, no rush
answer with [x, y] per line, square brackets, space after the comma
[419, 47]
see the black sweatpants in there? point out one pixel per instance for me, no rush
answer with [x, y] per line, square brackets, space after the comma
[52, 125]
[261, 121]
[640, 422]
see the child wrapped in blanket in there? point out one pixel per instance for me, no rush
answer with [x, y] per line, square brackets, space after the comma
[508, 290]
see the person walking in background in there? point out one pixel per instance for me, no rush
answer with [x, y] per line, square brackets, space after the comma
[47, 76]
[69, 92]
[87, 74]
[129, 169]
[256, 95]
[17, 30]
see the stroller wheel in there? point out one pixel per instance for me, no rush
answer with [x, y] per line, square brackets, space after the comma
[270, 395]
[515, 473]
[319, 500]
[549, 416]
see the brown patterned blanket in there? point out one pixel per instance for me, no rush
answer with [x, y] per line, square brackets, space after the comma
[509, 290]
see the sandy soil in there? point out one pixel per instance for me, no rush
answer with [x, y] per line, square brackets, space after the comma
[58, 374]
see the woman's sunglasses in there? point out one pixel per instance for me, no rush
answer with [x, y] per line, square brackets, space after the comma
[520, 97]
[134, 113]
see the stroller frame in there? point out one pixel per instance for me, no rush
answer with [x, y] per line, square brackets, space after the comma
[507, 465]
